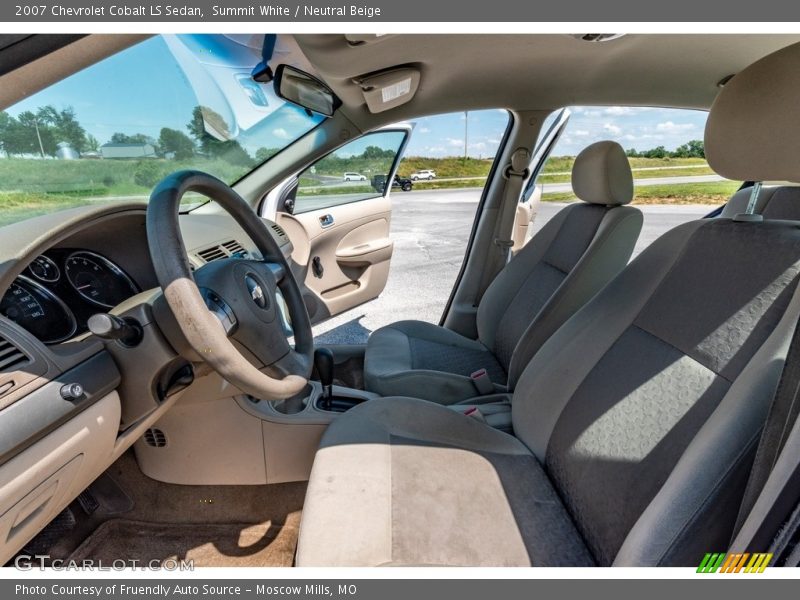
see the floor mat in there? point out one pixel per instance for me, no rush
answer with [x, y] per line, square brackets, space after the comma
[207, 545]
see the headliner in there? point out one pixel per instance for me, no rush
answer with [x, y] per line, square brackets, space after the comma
[538, 71]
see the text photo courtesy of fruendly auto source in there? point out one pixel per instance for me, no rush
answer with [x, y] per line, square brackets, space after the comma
[347, 300]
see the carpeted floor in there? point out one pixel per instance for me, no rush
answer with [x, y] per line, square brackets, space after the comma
[206, 545]
[154, 501]
[136, 517]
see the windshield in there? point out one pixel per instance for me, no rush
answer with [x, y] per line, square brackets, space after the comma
[113, 130]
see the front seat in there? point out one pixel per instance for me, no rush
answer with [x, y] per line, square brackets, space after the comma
[636, 423]
[574, 255]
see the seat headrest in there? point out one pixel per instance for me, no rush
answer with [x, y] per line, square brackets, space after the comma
[602, 175]
[753, 130]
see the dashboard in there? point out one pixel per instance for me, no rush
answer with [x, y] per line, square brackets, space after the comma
[105, 262]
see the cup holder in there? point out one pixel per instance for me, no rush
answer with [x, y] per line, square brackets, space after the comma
[338, 403]
[293, 405]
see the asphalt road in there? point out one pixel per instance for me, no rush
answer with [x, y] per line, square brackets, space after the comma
[430, 231]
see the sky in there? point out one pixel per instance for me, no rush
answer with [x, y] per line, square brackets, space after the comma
[641, 128]
[144, 89]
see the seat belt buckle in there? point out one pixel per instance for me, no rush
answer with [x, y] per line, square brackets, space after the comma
[482, 382]
[475, 413]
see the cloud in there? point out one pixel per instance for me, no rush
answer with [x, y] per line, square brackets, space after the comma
[580, 133]
[423, 130]
[644, 136]
[611, 128]
[455, 142]
[670, 127]
[281, 133]
[620, 111]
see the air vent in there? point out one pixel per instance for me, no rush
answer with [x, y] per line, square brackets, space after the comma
[155, 437]
[11, 357]
[233, 247]
[213, 253]
[279, 230]
[223, 250]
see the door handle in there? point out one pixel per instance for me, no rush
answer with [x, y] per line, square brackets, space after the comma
[317, 268]
[326, 220]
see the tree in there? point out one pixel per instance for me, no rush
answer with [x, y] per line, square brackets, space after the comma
[204, 122]
[64, 126]
[657, 152]
[136, 138]
[632, 153]
[176, 142]
[91, 143]
[377, 152]
[263, 154]
[6, 127]
[33, 136]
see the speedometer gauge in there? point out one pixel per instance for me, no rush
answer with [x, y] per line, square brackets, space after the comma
[38, 310]
[97, 279]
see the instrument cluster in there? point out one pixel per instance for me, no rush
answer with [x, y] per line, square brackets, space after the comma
[59, 290]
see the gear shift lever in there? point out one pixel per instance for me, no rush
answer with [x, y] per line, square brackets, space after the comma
[323, 361]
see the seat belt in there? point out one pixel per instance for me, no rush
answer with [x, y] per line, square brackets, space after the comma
[515, 174]
[778, 428]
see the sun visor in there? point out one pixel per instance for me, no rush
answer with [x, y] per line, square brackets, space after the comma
[386, 90]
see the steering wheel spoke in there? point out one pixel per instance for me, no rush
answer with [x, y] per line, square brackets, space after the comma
[220, 309]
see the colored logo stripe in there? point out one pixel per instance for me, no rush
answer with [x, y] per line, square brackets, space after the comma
[734, 563]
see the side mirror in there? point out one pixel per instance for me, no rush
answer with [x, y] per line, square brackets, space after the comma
[298, 87]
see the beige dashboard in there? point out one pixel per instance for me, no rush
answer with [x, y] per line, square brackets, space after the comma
[71, 403]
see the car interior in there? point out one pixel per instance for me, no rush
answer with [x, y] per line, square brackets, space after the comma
[162, 395]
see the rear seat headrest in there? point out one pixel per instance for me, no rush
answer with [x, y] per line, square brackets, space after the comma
[602, 175]
[753, 130]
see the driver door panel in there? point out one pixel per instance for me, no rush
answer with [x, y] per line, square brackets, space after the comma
[341, 253]
[337, 214]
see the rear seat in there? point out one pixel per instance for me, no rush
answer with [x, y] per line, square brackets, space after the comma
[777, 202]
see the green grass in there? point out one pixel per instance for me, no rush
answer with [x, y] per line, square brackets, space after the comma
[18, 206]
[95, 178]
[563, 164]
[716, 192]
[682, 172]
[446, 167]
[32, 187]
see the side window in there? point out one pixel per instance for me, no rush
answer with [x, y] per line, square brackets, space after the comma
[357, 171]
[673, 183]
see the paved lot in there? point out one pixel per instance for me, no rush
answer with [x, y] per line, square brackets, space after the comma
[430, 231]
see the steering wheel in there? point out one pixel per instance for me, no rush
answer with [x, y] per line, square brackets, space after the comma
[231, 299]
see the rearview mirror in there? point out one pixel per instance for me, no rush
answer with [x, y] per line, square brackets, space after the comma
[298, 87]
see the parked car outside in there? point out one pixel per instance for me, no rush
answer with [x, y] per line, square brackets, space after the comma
[354, 177]
[423, 174]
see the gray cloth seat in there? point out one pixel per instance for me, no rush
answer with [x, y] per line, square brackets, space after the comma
[574, 255]
[635, 427]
